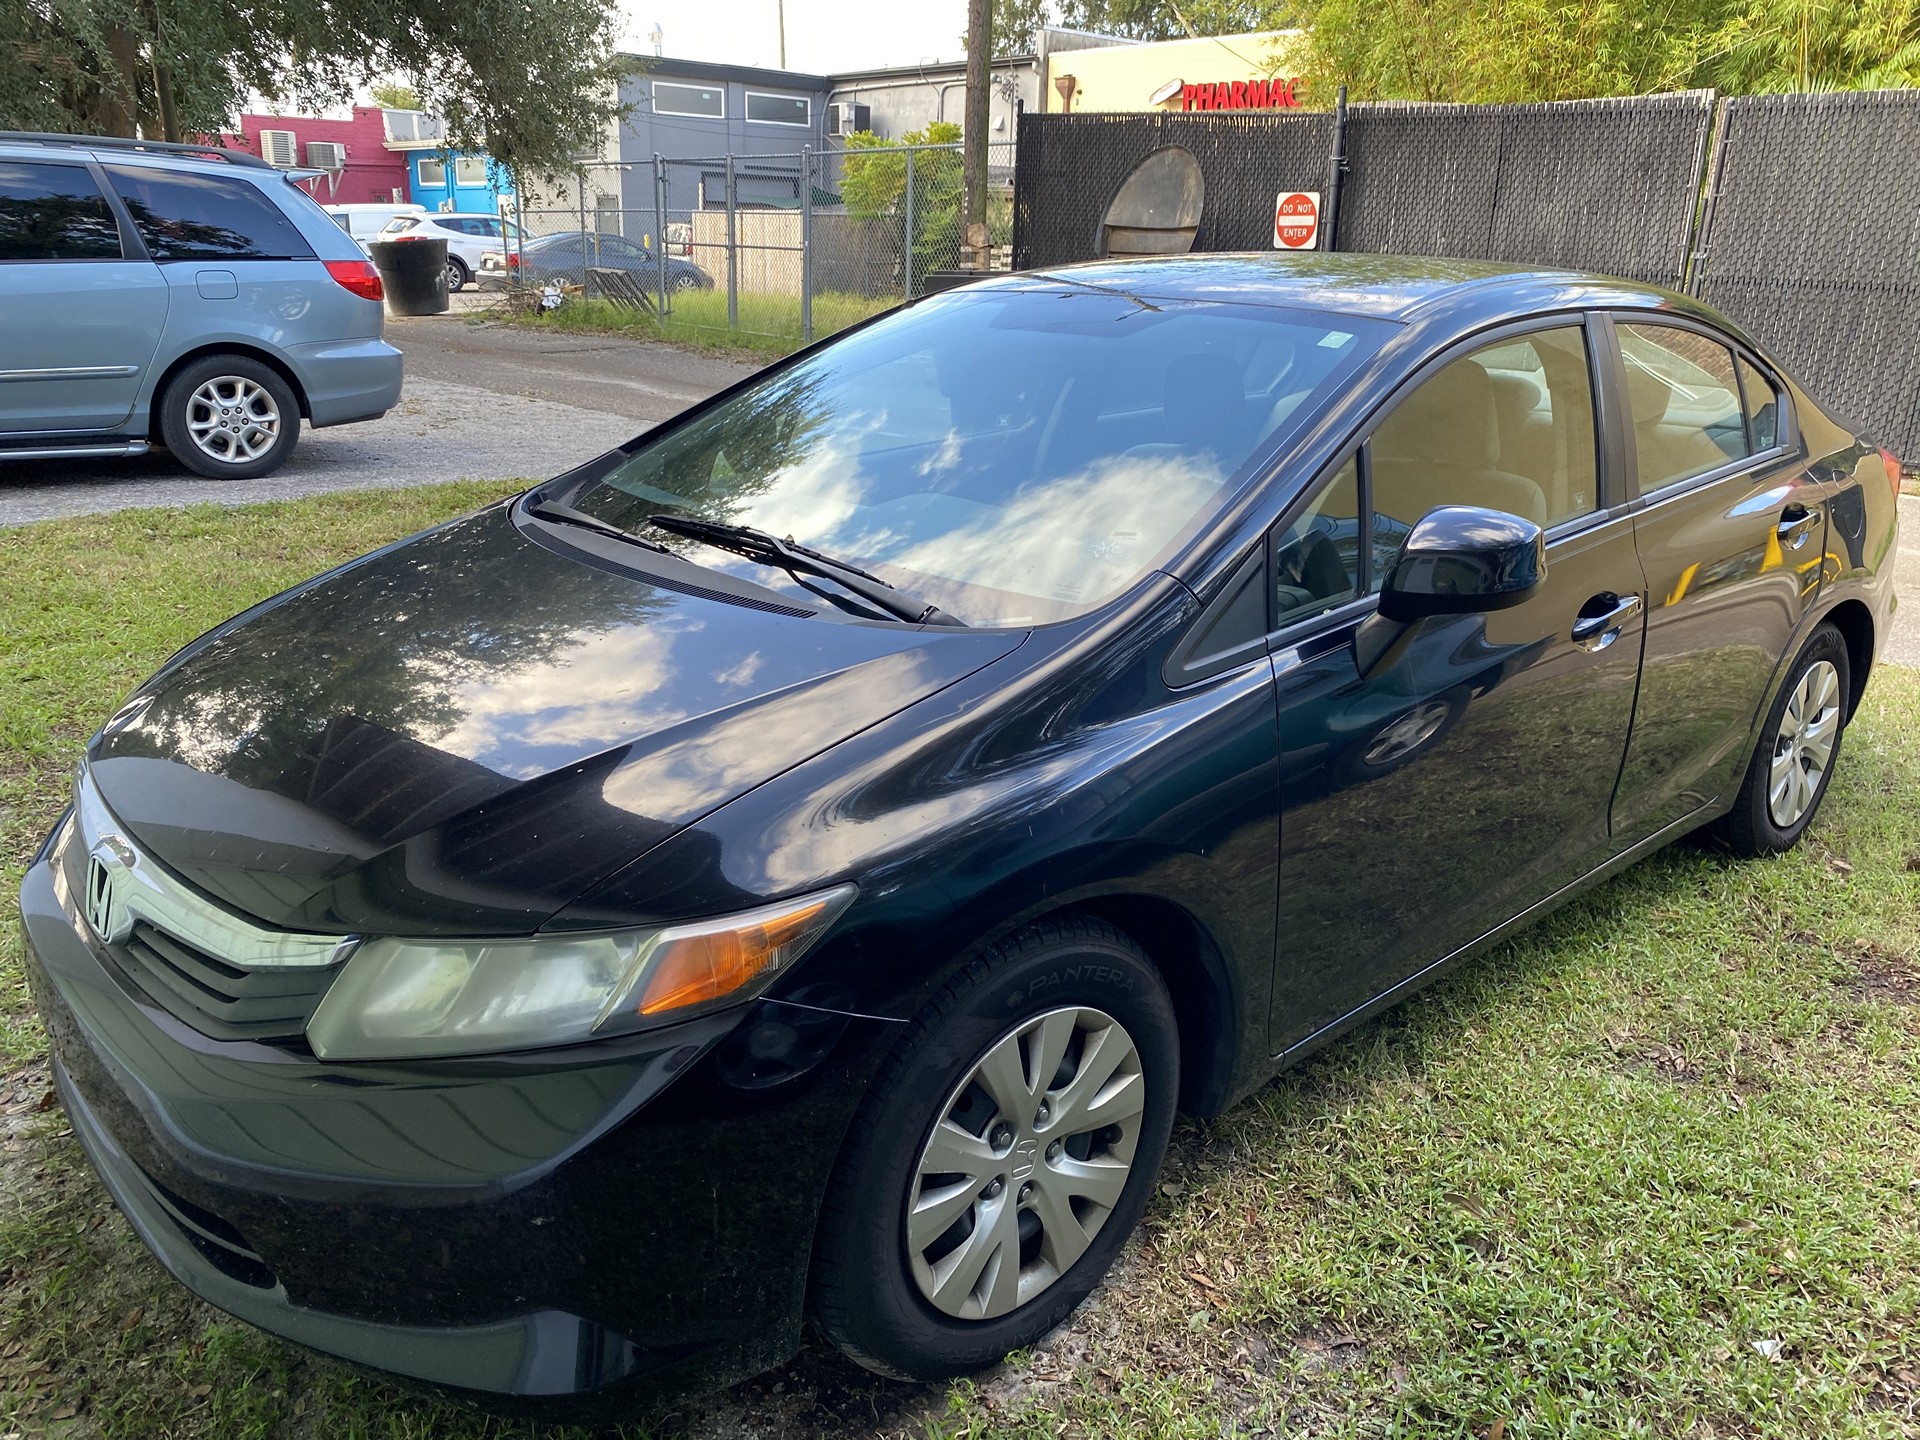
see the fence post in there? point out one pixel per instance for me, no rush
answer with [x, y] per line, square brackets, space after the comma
[586, 293]
[733, 255]
[660, 230]
[1336, 171]
[806, 244]
[906, 245]
[1707, 186]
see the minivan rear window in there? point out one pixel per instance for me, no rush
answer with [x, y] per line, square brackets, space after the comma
[184, 215]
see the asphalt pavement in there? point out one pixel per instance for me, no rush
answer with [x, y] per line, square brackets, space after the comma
[481, 401]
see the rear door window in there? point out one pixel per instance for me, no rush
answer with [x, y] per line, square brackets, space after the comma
[54, 212]
[184, 215]
[1684, 403]
[1763, 407]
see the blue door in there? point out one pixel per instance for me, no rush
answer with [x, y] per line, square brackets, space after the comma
[81, 319]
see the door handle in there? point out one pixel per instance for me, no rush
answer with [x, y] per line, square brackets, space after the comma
[1596, 631]
[1796, 524]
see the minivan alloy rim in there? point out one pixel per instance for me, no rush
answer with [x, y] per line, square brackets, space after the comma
[233, 419]
[1803, 745]
[1026, 1161]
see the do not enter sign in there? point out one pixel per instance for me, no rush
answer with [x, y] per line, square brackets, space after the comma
[1296, 220]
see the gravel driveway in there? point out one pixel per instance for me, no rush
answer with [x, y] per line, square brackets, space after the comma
[481, 402]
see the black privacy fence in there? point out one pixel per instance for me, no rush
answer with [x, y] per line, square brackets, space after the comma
[1798, 215]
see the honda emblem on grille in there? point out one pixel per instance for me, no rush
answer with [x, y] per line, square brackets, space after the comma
[108, 859]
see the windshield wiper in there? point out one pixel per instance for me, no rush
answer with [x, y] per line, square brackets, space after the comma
[562, 514]
[758, 545]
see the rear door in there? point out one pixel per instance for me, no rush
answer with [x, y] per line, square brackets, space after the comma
[1438, 780]
[81, 308]
[1731, 531]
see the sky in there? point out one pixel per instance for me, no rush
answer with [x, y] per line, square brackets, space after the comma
[823, 36]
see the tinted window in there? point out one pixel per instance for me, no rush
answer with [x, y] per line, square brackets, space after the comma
[1317, 559]
[54, 212]
[777, 109]
[688, 100]
[187, 216]
[1762, 405]
[1015, 456]
[1684, 400]
[1509, 427]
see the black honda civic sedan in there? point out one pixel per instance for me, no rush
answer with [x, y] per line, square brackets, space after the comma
[797, 865]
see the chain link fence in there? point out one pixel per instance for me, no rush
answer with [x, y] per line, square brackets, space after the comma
[784, 246]
[1811, 239]
[1794, 214]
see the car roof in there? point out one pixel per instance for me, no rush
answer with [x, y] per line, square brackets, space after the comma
[107, 149]
[1389, 287]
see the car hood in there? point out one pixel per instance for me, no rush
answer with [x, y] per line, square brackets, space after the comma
[467, 730]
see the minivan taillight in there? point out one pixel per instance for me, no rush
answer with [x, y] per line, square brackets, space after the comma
[359, 276]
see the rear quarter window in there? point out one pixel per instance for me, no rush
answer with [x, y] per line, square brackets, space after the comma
[184, 215]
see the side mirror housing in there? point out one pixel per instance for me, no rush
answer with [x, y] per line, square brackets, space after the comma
[1462, 560]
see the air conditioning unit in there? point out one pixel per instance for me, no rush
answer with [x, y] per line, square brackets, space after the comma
[326, 155]
[845, 117]
[277, 147]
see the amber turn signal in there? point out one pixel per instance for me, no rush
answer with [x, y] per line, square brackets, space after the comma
[699, 964]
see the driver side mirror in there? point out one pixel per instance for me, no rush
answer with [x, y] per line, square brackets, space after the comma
[1461, 560]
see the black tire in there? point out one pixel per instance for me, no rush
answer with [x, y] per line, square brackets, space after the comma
[458, 275]
[865, 1297]
[184, 406]
[1751, 828]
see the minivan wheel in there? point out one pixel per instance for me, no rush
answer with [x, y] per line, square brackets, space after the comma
[1793, 762]
[1003, 1154]
[229, 418]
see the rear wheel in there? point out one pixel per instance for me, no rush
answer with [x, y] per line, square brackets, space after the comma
[229, 417]
[1002, 1157]
[1799, 745]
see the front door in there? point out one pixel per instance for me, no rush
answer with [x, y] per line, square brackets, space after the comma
[81, 320]
[1439, 780]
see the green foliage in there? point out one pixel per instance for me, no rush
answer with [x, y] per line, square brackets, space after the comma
[1492, 51]
[875, 187]
[395, 95]
[532, 81]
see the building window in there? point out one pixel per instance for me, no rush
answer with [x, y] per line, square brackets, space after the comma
[433, 172]
[470, 170]
[708, 102]
[779, 109]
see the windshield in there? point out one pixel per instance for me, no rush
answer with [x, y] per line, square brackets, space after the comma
[1013, 456]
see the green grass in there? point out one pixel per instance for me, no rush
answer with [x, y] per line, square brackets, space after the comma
[769, 324]
[1574, 1190]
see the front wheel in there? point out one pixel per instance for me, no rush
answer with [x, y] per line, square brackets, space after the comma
[1002, 1157]
[1799, 745]
[229, 417]
[458, 276]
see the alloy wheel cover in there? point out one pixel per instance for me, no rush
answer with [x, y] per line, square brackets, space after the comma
[1803, 744]
[233, 419]
[1025, 1162]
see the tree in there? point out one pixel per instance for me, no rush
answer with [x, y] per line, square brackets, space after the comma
[531, 81]
[875, 187]
[1524, 50]
[394, 95]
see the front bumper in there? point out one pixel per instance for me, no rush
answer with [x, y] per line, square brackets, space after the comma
[609, 1221]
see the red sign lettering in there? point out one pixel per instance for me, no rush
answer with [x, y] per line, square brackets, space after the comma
[1273, 94]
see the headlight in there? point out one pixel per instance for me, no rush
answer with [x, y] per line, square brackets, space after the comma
[402, 999]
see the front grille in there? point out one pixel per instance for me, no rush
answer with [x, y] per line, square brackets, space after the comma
[216, 998]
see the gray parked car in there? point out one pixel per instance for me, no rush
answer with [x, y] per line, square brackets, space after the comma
[185, 294]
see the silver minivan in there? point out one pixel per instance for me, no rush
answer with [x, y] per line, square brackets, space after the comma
[182, 294]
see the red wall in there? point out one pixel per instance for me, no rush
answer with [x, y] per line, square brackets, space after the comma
[373, 172]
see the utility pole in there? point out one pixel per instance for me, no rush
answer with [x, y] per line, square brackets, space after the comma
[973, 154]
[780, 7]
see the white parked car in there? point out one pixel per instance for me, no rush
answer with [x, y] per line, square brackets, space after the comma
[468, 237]
[365, 220]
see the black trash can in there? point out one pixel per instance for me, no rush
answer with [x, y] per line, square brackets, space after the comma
[414, 273]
